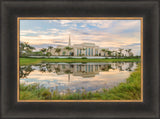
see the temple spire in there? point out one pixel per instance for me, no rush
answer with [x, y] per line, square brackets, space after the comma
[69, 43]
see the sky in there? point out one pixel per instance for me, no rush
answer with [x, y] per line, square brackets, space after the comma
[112, 34]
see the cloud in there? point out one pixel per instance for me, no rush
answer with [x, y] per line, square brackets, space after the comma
[100, 23]
[60, 21]
[53, 30]
[120, 26]
[27, 32]
[84, 25]
[41, 39]
[105, 79]
[97, 23]
[104, 33]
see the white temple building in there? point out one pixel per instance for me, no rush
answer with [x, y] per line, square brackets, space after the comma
[83, 49]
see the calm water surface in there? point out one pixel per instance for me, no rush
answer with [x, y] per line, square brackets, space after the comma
[77, 76]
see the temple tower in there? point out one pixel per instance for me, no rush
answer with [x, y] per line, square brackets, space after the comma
[69, 43]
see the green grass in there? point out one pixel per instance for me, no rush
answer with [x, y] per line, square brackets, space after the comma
[33, 92]
[28, 61]
[131, 90]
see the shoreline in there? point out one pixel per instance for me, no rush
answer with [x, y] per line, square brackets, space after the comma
[28, 61]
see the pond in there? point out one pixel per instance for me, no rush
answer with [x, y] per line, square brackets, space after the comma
[77, 76]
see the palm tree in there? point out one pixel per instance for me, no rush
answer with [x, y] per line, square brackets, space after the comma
[49, 48]
[68, 48]
[43, 50]
[109, 53]
[113, 53]
[120, 51]
[129, 52]
[126, 50]
[103, 50]
[25, 47]
[48, 54]
[29, 48]
[64, 52]
[21, 48]
[116, 53]
[58, 50]
[49, 51]
[84, 51]
[106, 51]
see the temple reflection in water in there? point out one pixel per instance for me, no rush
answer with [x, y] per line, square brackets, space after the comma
[77, 76]
[84, 70]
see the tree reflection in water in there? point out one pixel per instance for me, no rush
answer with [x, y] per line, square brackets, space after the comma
[42, 68]
[77, 69]
[25, 71]
[57, 70]
[68, 72]
[106, 67]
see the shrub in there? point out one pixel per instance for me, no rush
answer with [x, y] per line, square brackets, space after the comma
[70, 58]
[46, 94]
[84, 57]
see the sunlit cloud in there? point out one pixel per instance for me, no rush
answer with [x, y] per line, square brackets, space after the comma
[111, 34]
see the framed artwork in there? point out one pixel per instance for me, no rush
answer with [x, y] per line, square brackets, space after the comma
[80, 59]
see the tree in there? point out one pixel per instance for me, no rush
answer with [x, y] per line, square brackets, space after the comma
[28, 48]
[68, 72]
[83, 51]
[25, 48]
[49, 68]
[116, 54]
[58, 50]
[130, 53]
[113, 53]
[109, 53]
[103, 50]
[64, 52]
[38, 53]
[106, 51]
[25, 71]
[49, 48]
[21, 49]
[126, 50]
[68, 48]
[120, 51]
[49, 51]
[48, 54]
[43, 50]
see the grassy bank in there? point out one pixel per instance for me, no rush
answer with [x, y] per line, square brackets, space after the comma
[27, 61]
[131, 90]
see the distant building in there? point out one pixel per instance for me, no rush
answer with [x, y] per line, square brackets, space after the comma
[83, 49]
